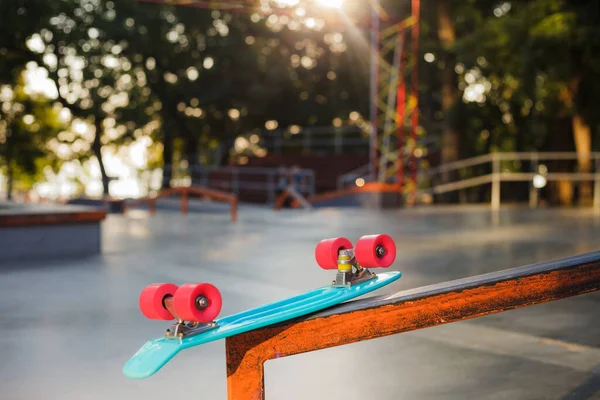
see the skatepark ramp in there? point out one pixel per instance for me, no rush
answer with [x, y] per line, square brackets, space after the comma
[291, 193]
[370, 195]
[185, 192]
[405, 311]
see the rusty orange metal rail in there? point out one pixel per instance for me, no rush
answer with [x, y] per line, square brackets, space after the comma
[402, 312]
[185, 193]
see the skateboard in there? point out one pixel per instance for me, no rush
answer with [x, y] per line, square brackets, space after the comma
[194, 306]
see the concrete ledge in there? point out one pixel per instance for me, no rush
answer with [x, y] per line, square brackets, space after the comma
[48, 231]
[111, 205]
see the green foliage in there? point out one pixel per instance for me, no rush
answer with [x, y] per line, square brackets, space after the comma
[23, 146]
[27, 124]
[193, 80]
[540, 60]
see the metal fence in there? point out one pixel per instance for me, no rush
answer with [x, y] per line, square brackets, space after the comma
[387, 170]
[509, 167]
[313, 139]
[268, 181]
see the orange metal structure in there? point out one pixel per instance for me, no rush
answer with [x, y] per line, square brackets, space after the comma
[185, 193]
[405, 311]
[283, 197]
[369, 187]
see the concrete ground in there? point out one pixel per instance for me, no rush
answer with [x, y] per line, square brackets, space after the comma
[68, 326]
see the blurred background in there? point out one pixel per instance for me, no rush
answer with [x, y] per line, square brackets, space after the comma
[103, 98]
[467, 130]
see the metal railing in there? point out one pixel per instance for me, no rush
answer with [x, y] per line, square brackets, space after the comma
[348, 180]
[410, 310]
[185, 193]
[311, 138]
[502, 170]
[238, 179]
[503, 167]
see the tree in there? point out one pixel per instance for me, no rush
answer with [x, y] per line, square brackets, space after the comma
[450, 93]
[82, 46]
[28, 123]
[221, 75]
[563, 45]
[27, 119]
[520, 70]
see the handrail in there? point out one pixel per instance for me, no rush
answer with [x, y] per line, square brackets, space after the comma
[309, 137]
[405, 311]
[365, 170]
[236, 180]
[451, 166]
[369, 187]
[462, 184]
[552, 156]
[497, 175]
[316, 130]
[489, 158]
[360, 172]
[185, 193]
[233, 169]
[552, 176]
[509, 156]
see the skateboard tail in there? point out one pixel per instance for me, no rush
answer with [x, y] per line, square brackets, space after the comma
[151, 357]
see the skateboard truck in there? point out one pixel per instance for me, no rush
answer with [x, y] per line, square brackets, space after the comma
[352, 262]
[345, 275]
[181, 328]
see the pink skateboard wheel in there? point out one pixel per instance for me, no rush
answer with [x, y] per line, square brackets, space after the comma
[151, 300]
[375, 251]
[197, 302]
[326, 252]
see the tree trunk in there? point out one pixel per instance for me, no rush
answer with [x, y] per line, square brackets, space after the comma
[583, 145]
[227, 145]
[227, 141]
[9, 167]
[174, 126]
[97, 149]
[9, 182]
[447, 37]
[582, 137]
[559, 139]
[565, 192]
[192, 156]
[167, 158]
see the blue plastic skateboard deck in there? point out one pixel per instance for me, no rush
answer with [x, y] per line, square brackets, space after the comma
[153, 355]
